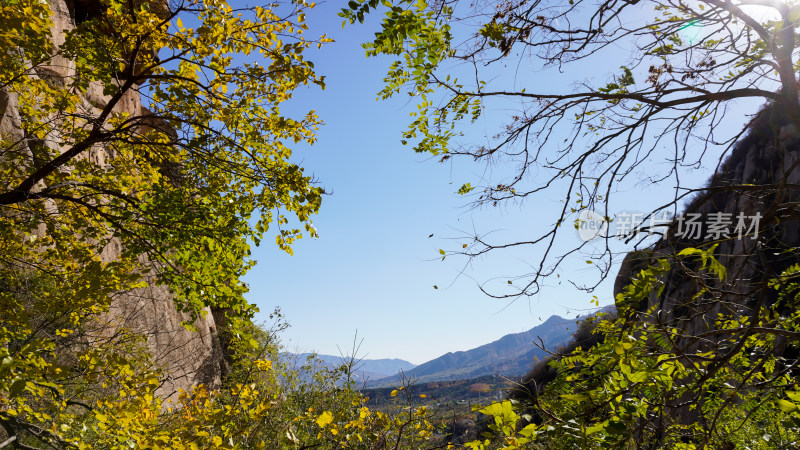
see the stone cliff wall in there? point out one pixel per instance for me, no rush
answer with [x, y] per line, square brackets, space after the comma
[759, 181]
[188, 357]
[760, 177]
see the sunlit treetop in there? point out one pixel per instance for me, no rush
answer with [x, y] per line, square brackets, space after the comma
[159, 124]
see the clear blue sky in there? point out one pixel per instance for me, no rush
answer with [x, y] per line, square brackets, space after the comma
[373, 268]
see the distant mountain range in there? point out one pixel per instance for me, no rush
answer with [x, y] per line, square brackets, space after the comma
[512, 355]
[365, 369]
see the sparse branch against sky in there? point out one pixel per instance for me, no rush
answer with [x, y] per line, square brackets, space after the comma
[375, 263]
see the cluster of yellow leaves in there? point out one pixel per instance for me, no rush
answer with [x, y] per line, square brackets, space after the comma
[24, 24]
[202, 419]
[504, 424]
[360, 427]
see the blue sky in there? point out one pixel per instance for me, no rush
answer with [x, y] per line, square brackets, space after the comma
[373, 268]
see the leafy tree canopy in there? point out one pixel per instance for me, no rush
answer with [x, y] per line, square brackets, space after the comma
[178, 179]
[145, 145]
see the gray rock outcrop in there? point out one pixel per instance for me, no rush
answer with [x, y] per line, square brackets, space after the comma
[754, 190]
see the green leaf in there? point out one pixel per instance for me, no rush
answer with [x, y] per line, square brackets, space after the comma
[616, 427]
[529, 430]
[785, 405]
[5, 366]
[595, 428]
[465, 189]
[16, 387]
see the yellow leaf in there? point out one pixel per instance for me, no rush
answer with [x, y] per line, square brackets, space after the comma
[324, 419]
[263, 364]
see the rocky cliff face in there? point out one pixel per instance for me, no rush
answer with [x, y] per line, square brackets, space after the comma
[759, 185]
[753, 198]
[188, 357]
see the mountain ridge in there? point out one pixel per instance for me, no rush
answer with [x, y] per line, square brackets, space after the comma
[511, 355]
[363, 369]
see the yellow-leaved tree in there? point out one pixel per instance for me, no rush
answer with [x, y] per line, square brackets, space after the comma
[141, 144]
